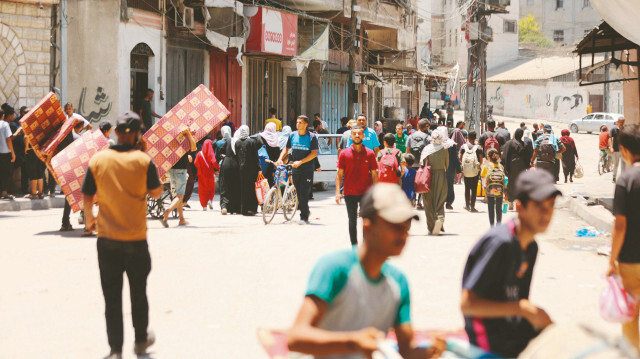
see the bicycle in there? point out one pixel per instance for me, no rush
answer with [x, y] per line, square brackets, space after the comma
[281, 195]
[604, 163]
[155, 207]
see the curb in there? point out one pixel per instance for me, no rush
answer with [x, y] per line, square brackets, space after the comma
[25, 204]
[596, 216]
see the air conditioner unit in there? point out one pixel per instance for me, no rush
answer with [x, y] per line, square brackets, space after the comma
[499, 3]
[184, 18]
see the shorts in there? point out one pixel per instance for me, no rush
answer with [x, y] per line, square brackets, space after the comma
[34, 167]
[178, 180]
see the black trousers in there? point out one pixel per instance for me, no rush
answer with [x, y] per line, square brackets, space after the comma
[66, 213]
[5, 172]
[303, 181]
[471, 190]
[51, 183]
[495, 209]
[451, 194]
[115, 258]
[352, 203]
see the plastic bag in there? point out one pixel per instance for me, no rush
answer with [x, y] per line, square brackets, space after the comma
[616, 304]
[579, 172]
[262, 187]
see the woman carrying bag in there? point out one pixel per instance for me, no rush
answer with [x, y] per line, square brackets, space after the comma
[435, 160]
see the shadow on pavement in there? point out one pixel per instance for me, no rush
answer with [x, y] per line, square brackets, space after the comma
[76, 233]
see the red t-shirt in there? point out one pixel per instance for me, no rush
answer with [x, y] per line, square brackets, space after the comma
[604, 139]
[357, 167]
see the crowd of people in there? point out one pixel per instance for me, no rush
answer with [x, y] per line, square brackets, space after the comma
[354, 296]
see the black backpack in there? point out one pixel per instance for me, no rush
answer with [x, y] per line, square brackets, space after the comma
[418, 143]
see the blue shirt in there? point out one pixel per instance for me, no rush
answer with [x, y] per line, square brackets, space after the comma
[499, 270]
[408, 182]
[370, 139]
[301, 147]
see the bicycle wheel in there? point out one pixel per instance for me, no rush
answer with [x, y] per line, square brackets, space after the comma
[601, 166]
[270, 206]
[290, 203]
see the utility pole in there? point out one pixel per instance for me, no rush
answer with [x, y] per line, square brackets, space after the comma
[605, 100]
[352, 94]
[64, 90]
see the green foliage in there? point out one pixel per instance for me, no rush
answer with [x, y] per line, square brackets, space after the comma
[529, 31]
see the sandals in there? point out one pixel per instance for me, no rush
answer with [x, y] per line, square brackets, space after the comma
[66, 228]
[8, 196]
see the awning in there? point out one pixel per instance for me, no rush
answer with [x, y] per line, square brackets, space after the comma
[622, 15]
[225, 24]
[364, 75]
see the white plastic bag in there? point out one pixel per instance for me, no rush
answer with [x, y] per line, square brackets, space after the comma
[616, 304]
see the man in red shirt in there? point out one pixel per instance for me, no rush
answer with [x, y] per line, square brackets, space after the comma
[358, 165]
[603, 143]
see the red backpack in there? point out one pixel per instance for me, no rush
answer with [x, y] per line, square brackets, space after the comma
[491, 142]
[388, 167]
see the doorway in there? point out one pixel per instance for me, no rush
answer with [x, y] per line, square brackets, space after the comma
[139, 65]
[294, 91]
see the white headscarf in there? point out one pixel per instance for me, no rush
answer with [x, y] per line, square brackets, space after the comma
[270, 134]
[226, 132]
[241, 134]
[283, 138]
[379, 127]
[439, 140]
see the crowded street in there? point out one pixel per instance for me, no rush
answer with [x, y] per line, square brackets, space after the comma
[215, 282]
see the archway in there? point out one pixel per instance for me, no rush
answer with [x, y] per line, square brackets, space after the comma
[139, 64]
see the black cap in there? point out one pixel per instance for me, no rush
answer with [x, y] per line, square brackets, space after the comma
[536, 184]
[128, 122]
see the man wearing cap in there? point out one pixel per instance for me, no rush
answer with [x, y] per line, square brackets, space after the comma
[121, 177]
[354, 296]
[498, 315]
[358, 165]
[542, 153]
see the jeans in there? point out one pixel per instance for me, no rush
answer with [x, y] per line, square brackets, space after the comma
[5, 172]
[66, 213]
[495, 209]
[352, 203]
[302, 182]
[114, 258]
[471, 191]
[179, 180]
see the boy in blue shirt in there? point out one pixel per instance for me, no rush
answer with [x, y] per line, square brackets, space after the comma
[409, 177]
[354, 296]
[304, 148]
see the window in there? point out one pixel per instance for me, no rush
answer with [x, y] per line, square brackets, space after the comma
[558, 35]
[599, 116]
[608, 117]
[530, 2]
[586, 3]
[509, 26]
[588, 117]
[559, 4]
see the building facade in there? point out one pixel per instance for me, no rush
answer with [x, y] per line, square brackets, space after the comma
[563, 21]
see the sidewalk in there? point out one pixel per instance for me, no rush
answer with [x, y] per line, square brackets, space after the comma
[23, 204]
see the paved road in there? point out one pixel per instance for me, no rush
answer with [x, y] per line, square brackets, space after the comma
[215, 282]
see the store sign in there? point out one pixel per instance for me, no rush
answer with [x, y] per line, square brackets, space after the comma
[272, 31]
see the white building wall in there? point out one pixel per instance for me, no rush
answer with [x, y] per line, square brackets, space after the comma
[556, 101]
[504, 47]
[574, 18]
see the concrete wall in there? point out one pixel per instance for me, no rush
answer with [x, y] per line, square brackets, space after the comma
[557, 101]
[574, 18]
[92, 59]
[631, 90]
[504, 47]
[314, 88]
[24, 52]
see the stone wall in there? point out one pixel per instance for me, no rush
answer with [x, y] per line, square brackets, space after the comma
[25, 31]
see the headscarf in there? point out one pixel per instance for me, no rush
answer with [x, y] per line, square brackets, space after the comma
[433, 147]
[241, 134]
[270, 135]
[446, 141]
[283, 138]
[458, 138]
[206, 163]
[379, 126]
[566, 139]
[226, 132]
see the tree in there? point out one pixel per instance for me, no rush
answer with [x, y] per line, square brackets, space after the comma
[529, 31]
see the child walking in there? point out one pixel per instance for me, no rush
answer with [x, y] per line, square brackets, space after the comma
[207, 168]
[493, 176]
[409, 177]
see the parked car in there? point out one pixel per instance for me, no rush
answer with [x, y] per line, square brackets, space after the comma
[593, 121]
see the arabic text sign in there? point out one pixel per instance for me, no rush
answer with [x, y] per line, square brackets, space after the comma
[200, 111]
[70, 165]
[273, 32]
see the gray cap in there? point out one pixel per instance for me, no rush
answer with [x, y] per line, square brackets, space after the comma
[389, 202]
[536, 184]
[547, 127]
[128, 122]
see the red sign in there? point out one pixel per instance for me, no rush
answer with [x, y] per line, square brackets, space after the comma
[272, 31]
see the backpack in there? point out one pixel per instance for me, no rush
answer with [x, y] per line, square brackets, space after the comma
[388, 167]
[491, 142]
[495, 181]
[546, 151]
[470, 164]
[418, 143]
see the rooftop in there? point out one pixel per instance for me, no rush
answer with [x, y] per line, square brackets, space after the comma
[543, 68]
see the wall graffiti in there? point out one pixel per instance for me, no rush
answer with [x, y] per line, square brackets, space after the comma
[100, 100]
[497, 98]
[563, 105]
